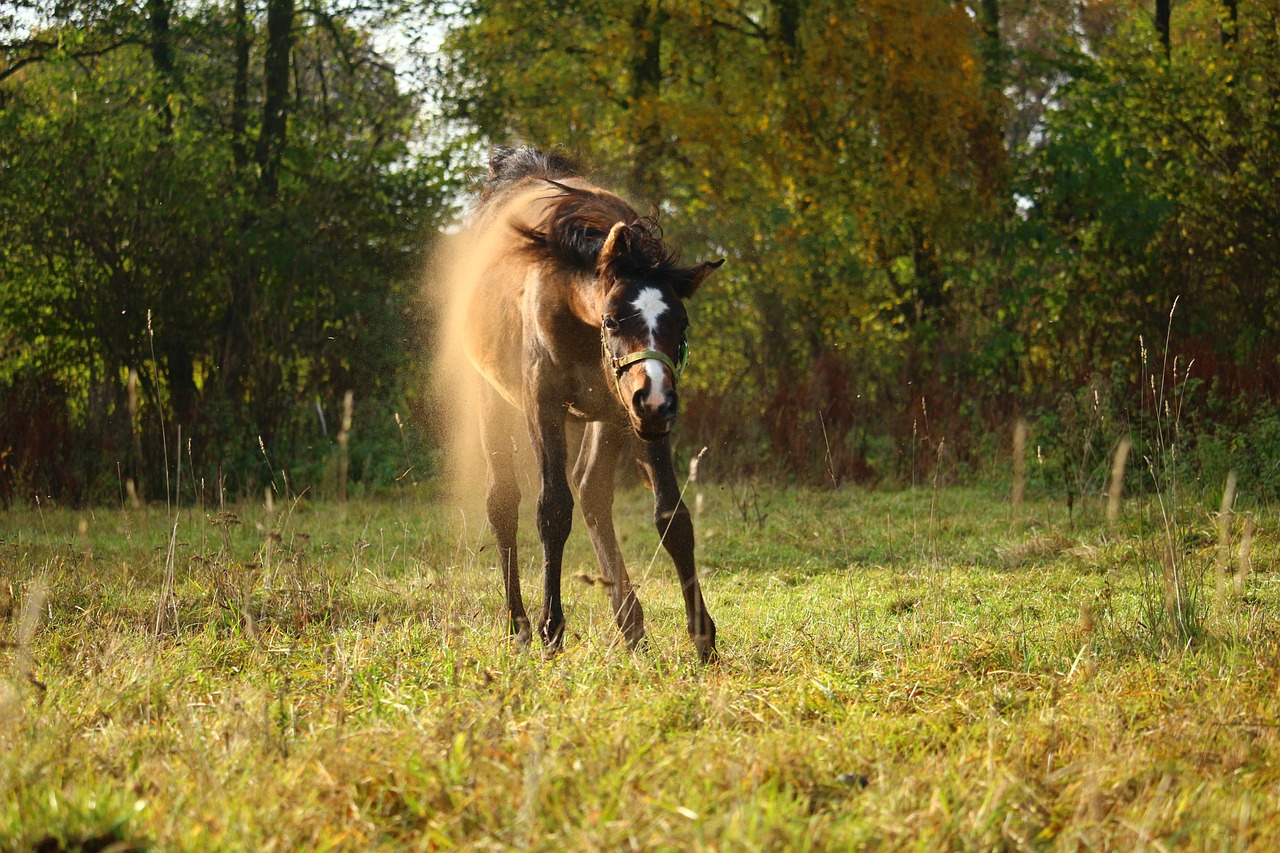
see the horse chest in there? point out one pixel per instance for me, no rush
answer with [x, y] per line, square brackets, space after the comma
[587, 397]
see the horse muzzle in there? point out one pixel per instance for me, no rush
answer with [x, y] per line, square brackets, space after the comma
[652, 404]
[653, 412]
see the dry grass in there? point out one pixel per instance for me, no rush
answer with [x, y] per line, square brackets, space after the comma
[901, 670]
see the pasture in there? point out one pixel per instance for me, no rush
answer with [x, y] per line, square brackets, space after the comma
[918, 669]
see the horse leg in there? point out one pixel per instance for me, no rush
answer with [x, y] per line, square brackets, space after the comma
[555, 506]
[602, 444]
[675, 526]
[502, 504]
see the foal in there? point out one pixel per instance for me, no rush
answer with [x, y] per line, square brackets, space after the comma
[577, 314]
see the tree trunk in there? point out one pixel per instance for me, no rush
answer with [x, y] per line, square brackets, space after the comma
[992, 50]
[162, 58]
[180, 376]
[1162, 25]
[789, 29]
[1230, 23]
[235, 334]
[646, 88]
[238, 345]
[240, 90]
[275, 104]
[179, 368]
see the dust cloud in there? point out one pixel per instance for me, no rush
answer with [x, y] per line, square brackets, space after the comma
[451, 281]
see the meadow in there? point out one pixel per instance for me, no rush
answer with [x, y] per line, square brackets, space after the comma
[927, 668]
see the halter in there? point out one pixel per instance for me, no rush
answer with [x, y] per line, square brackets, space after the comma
[619, 364]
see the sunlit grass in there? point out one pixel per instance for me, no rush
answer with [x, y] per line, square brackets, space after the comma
[919, 669]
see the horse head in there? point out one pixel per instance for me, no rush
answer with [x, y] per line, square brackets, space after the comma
[644, 325]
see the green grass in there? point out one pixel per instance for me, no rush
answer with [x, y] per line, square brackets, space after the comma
[907, 670]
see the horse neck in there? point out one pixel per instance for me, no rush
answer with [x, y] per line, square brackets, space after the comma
[584, 297]
[526, 205]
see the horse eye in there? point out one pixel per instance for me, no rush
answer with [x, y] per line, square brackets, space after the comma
[610, 324]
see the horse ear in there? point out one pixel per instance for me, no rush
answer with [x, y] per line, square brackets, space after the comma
[687, 281]
[616, 247]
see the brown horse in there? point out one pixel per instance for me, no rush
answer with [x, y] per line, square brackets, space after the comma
[576, 314]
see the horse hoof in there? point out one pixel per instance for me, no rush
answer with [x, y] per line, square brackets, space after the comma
[521, 633]
[635, 639]
[553, 636]
[706, 646]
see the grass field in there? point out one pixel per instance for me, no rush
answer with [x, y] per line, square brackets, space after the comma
[920, 669]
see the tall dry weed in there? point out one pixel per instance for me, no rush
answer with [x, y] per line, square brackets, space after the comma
[1225, 515]
[1175, 607]
[1115, 485]
[1019, 462]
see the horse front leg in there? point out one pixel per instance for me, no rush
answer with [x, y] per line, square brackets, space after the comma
[594, 473]
[555, 510]
[502, 505]
[675, 526]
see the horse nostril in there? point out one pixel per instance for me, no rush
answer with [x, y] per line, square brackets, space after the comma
[642, 403]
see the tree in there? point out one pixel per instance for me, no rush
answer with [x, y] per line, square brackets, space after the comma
[230, 213]
[1172, 160]
[936, 212]
[837, 154]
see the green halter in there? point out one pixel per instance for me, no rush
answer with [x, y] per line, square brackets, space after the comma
[620, 364]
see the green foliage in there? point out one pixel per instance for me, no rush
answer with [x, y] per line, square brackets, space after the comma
[1156, 181]
[935, 219]
[938, 218]
[142, 235]
[1249, 447]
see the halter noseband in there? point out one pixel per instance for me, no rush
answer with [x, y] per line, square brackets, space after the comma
[619, 364]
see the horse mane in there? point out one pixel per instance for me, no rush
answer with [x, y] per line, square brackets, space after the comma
[509, 166]
[577, 220]
[574, 229]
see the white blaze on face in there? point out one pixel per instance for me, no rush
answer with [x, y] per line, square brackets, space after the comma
[650, 305]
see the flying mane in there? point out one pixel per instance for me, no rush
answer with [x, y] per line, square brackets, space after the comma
[578, 219]
[509, 166]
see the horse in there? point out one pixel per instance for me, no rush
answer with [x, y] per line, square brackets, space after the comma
[575, 318]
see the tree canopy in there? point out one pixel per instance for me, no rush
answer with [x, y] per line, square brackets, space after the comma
[220, 200]
[939, 217]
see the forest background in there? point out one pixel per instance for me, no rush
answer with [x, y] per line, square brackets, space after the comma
[940, 218]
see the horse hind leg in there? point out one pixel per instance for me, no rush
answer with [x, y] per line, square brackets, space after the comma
[594, 474]
[502, 506]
